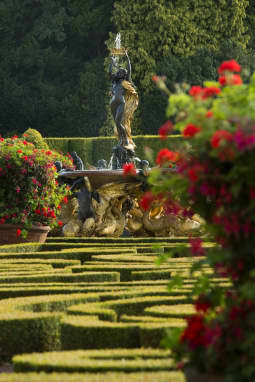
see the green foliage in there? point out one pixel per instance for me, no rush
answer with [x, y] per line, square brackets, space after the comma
[33, 136]
[51, 70]
[153, 29]
[29, 193]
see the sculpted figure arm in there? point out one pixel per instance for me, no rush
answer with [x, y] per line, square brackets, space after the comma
[112, 65]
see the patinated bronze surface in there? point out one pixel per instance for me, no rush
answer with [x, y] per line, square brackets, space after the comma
[124, 102]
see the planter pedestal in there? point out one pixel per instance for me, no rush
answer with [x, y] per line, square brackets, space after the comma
[36, 234]
[192, 375]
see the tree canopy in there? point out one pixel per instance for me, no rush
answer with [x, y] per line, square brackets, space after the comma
[53, 57]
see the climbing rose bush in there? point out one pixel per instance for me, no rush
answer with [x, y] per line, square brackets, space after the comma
[29, 192]
[215, 179]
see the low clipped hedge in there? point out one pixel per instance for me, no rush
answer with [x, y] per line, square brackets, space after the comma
[26, 324]
[120, 240]
[177, 311]
[127, 272]
[92, 149]
[80, 333]
[132, 360]
[64, 278]
[105, 377]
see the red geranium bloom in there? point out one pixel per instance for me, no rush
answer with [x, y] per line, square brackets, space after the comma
[165, 129]
[209, 114]
[65, 199]
[202, 304]
[18, 232]
[196, 91]
[229, 66]
[146, 200]
[60, 223]
[232, 79]
[165, 156]
[191, 130]
[129, 169]
[196, 246]
[210, 92]
[155, 78]
[220, 135]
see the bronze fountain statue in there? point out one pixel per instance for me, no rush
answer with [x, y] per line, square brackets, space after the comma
[104, 202]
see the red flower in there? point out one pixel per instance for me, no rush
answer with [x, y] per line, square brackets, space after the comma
[196, 91]
[194, 333]
[129, 169]
[25, 143]
[165, 156]
[210, 92]
[196, 246]
[19, 151]
[232, 79]
[146, 200]
[2, 220]
[65, 199]
[209, 114]
[18, 232]
[194, 171]
[48, 152]
[191, 130]
[229, 66]
[155, 78]
[220, 135]
[165, 129]
[202, 304]
[60, 223]
[252, 193]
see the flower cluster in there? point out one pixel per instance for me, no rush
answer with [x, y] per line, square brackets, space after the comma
[215, 179]
[29, 193]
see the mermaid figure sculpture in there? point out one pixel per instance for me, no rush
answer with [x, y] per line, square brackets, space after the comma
[123, 103]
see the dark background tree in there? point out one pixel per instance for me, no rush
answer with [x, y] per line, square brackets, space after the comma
[53, 57]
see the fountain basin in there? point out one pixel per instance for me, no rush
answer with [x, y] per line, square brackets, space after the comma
[99, 177]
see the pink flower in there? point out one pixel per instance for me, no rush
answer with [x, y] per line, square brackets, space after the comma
[129, 169]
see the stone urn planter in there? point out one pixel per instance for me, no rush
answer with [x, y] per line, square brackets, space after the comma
[193, 375]
[36, 234]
